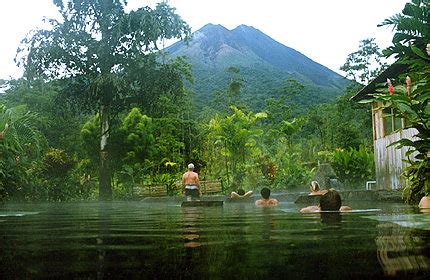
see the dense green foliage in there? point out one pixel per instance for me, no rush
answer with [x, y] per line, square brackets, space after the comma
[411, 99]
[20, 146]
[261, 83]
[235, 139]
[353, 165]
[105, 58]
[272, 148]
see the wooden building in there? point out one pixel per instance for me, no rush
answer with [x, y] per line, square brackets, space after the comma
[389, 161]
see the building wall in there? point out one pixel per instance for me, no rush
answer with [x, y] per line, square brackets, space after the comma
[389, 161]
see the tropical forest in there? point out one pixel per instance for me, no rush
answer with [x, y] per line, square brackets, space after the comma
[104, 110]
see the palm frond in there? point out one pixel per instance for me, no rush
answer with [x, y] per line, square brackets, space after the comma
[394, 20]
[21, 134]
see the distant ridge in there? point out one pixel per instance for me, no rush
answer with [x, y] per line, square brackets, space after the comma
[264, 64]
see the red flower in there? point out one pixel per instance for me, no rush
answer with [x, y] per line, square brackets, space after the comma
[408, 85]
[390, 87]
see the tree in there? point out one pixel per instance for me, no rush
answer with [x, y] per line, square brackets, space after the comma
[366, 63]
[106, 58]
[236, 135]
[20, 143]
[139, 139]
[18, 130]
[281, 108]
[231, 96]
[57, 122]
[353, 166]
[411, 31]
[3, 85]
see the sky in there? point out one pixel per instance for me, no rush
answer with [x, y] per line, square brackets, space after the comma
[324, 30]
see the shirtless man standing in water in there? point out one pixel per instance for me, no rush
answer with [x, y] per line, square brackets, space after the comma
[191, 183]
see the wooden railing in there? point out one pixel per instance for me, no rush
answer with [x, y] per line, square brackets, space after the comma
[211, 186]
[150, 190]
[207, 187]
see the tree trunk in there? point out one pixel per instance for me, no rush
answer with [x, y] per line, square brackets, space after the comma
[226, 164]
[105, 184]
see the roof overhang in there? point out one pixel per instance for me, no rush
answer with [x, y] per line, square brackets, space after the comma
[391, 72]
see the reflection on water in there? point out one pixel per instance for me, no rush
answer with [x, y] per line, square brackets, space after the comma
[401, 250]
[331, 218]
[191, 231]
[402, 247]
[268, 223]
[16, 214]
[103, 222]
[238, 241]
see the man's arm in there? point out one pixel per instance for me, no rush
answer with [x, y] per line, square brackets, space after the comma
[234, 195]
[247, 194]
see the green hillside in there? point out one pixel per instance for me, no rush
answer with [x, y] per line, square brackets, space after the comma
[264, 65]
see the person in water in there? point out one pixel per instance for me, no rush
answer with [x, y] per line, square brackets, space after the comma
[315, 189]
[191, 183]
[424, 204]
[240, 194]
[265, 198]
[329, 201]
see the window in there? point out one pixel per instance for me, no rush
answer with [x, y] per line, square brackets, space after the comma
[391, 123]
[397, 122]
[405, 123]
[388, 121]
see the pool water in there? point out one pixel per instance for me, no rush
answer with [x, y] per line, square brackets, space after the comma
[145, 240]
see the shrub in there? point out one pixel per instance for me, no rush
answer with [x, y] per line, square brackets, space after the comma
[353, 166]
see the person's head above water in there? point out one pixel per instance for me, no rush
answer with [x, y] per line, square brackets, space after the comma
[265, 193]
[330, 201]
[240, 191]
[315, 186]
[191, 166]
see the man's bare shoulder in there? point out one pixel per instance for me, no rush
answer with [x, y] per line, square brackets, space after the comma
[266, 202]
[273, 202]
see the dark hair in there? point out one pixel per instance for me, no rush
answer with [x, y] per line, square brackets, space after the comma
[330, 201]
[265, 193]
[240, 192]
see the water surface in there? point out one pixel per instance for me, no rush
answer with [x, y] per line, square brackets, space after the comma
[144, 240]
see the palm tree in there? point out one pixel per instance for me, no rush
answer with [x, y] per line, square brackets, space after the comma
[20, 143]
[236, 136]
[18, 130]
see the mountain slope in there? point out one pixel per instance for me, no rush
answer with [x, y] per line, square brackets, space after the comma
[264, 63]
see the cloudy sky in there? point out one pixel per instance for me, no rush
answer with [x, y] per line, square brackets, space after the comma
[324, 30]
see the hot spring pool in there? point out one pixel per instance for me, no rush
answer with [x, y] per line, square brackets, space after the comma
[144, 240]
